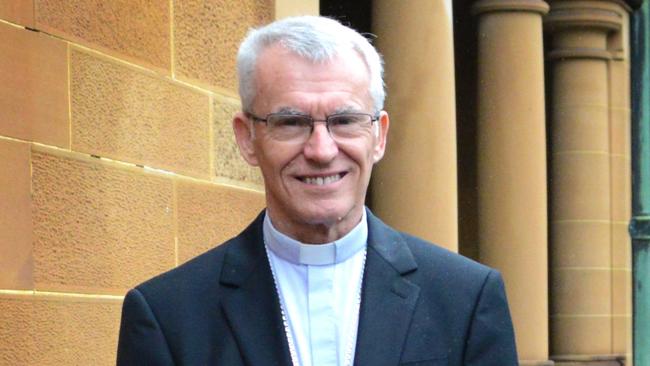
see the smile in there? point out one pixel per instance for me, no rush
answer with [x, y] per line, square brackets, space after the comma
[319, 181]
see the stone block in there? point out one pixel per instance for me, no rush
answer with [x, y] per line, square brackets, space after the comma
[621, 334]
[620, 136]
[227, 160]
[58, 330]
[580, 244]
[621, 167]
[18, 11]
[590, 335]
[620, 80]
[209, 214]
[581, 128]
[131, 115]
[99, 227]
[137, 30]
[621, 246]
[580, 187]
[581, 291]
[621, 291]
[207, 35]
[16, 261]
[33, 87]
[288, 8]
[584, 83]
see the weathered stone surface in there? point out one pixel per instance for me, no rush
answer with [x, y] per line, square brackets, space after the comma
[16, 261]
[581, 186]
[209, 214]
[99, 227]
[33, 87]
[135, 29]
[589, 335]
[58, 330]
[18, 11]
[134, 116]
[227, 160]
[581, 291]
[207, 35]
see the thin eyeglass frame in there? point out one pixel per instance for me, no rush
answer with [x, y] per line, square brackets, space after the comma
[312, 120]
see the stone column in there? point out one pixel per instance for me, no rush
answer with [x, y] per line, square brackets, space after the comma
[287, 8]
[590, 182]
[512, 182]
[414, 187]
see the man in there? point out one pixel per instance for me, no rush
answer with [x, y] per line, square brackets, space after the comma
[316, 279]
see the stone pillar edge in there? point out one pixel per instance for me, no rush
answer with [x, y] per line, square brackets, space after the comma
[533, 6]
[588, 53]
[536, 363]
[588, 358]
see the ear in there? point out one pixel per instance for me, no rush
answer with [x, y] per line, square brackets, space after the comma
[380, 143]
[244, 135]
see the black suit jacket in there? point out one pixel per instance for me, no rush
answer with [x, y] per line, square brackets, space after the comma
[420, 305]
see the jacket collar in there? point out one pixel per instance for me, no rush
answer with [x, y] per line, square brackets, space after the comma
[387, 302]
[388, 298]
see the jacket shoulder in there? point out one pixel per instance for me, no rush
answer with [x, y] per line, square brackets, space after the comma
[431, 255]
[193, 276]
[203, 272]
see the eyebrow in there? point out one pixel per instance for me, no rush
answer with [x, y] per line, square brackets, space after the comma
[290, 110]
[346, 109]
[339, 110]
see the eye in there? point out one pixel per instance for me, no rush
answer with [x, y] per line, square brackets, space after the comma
[290, 121]
[346, 119]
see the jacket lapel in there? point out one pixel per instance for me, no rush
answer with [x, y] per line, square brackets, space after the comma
[251, 303]
[388, 299]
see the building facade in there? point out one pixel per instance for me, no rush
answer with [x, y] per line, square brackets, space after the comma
[510, 143]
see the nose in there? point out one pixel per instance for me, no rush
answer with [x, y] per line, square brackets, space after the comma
[320, 147]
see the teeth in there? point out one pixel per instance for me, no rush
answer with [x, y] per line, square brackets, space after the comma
[319, 181]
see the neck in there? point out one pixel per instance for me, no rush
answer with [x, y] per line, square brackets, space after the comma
[315, 233]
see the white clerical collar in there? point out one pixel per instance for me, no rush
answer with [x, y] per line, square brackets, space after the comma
[315, 254]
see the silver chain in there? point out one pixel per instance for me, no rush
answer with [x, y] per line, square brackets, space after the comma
[285, 320]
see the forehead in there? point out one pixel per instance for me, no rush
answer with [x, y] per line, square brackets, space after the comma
[284, 79]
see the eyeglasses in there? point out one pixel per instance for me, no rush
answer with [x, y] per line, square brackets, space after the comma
[288, 127]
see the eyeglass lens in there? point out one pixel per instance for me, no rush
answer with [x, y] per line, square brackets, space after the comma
[299, 127]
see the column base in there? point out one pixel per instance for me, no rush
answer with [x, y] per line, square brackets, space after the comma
[537, 363]
[597, 360]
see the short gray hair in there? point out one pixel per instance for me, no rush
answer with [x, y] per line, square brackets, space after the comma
[317, 39]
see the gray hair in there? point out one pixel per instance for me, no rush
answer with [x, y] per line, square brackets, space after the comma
[317, 39]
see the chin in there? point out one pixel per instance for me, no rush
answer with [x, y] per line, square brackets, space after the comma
[327, 215]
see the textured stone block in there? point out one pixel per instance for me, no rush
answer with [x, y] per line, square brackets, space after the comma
[227, 160]
[207, 35]
[619, 85]
[98, 226]
[16, 261]
[581, 291]
[621, 246]
[587, 335]
[135, 29]
[621, 334]
[50, 330]
[18, 11]
[580, 187]
[620, 143]
[582, 132]
[288, 8]
[584, 83]
[580, 244]
[621, 291]
[209, 214]
[33, 87]
[621, 168]
[127, 114]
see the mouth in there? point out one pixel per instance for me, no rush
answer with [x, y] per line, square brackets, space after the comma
[321, 180]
